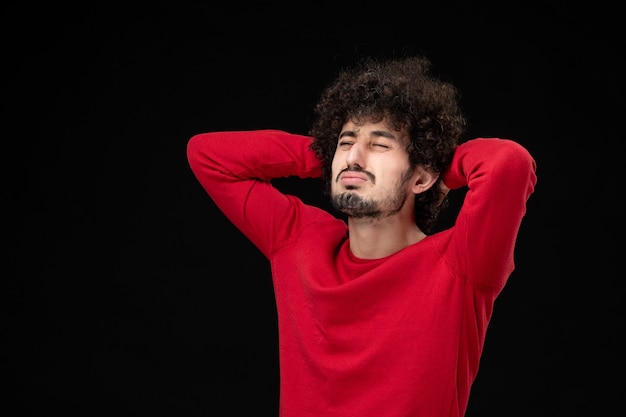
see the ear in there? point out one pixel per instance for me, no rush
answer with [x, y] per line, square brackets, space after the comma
[423, 179]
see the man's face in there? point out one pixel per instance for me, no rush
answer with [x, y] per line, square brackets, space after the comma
[370, 170]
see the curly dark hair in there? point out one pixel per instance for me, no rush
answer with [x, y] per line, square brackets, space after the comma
[404, 94]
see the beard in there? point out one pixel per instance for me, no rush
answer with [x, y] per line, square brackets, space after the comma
[354, 205]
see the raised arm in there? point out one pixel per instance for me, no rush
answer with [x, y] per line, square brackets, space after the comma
[235, 169]
[500, 175]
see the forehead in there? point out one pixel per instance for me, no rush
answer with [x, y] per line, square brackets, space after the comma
[369, 128]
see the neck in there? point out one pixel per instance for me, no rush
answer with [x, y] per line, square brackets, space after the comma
[374, 239]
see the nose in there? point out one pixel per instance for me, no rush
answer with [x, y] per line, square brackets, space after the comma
[354, 157]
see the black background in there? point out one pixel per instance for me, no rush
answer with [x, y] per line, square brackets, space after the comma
[129, 294]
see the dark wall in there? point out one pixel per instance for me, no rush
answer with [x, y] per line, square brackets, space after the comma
[128, 293]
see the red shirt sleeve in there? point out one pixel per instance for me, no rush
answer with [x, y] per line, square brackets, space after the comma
[235, 168]
[500, 175]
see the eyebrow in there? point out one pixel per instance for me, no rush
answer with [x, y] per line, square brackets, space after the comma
[381, 133]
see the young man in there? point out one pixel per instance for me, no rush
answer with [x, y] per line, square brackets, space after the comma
[376, 315]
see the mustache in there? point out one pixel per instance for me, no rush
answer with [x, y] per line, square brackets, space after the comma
[357, 169]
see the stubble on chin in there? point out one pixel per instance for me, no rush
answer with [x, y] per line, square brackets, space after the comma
[354, 205]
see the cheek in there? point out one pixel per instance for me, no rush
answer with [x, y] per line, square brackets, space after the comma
[335, 168]
[395, 177]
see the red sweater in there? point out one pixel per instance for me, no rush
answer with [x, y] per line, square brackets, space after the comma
[400, 336]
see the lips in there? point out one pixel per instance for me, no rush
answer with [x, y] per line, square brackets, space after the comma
[353, 178]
